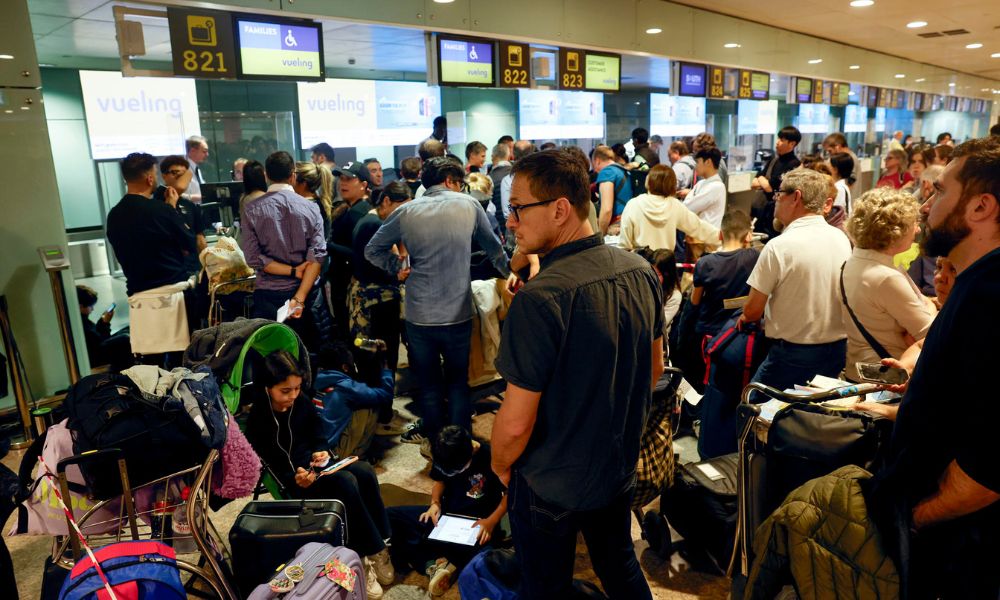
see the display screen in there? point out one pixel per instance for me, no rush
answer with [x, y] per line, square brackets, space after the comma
[814, 118]
[855, 119]
[359, 112]
[676, 116]
[843, 93]
[279, 49]
[756, 118]
[465, 62]
[138, 114]
[803, 90]
[760, 85]
[880, 119]
[603, 72]
[555, 115]
[691, 80]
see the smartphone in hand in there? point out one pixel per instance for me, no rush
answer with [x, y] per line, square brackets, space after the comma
[110, 308]
[879, 373]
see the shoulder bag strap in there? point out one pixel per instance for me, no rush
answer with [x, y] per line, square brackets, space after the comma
[877, 347]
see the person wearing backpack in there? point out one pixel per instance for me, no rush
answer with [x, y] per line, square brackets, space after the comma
[614, 189]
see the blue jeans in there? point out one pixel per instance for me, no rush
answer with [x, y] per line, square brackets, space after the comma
[545, 543]
[787, 363]
[428, 345]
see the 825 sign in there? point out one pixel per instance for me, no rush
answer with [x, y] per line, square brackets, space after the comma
[201, 42]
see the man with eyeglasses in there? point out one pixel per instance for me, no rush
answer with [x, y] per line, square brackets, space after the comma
[581, 349]
[177, 176]
[437, 230]
[795, 286]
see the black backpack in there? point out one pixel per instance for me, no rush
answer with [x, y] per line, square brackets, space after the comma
[107, 410]
[637, 177]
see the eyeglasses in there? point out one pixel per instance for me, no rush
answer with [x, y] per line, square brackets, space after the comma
[778, 193]
[515, 210]
[177, 172]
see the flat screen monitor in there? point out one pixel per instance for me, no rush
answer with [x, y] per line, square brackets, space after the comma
[880, 119]
[756, 118]
[803, 90]
[604, 72]
[814, 118]
[760, 85]
[463, 61]
[855, 119]
[360, 112]
[226, 193]
[560, 115]
[279, 49]
[691, 80]
[676, 116]
[138, 114]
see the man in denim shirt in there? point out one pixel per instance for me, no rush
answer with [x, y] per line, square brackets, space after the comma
[437, 230]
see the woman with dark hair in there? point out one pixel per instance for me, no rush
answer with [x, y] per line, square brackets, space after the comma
[843, 178]
[284, 429]
[665, 266]
[254, 184]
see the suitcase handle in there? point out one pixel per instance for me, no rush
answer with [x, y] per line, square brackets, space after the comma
[89, 455]
[823, 396]
[127, 499]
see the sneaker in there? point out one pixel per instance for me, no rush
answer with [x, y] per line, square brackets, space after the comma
[373, 587]
[425, 449]
[441, 579]
[382, 565]
[391, 428]
[413, 434]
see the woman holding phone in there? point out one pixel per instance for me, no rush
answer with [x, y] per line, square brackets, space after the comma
[284, 430]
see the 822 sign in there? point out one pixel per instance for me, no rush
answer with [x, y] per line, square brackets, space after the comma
[201, 42]
[515, 62]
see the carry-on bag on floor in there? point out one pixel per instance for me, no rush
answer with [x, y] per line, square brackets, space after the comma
[266, 532]
[136, 570]
[702, 507]
[316, 572]
[783, 447]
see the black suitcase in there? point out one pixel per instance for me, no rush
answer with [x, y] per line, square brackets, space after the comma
[703, 509]
[266, 532]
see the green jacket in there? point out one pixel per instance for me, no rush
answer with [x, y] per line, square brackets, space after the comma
[822, 536]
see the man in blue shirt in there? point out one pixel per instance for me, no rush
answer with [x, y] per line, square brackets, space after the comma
[437, 230]
[613, 187]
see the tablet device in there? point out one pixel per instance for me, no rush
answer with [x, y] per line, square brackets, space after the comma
[456, 529]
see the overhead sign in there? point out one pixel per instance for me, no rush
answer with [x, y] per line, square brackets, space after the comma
[515, 65]
[276, 48]
[464, 61]
[753, 85]
[201, 42]
[803, 90]
[817, 95]
[841, 94]
[691, 80]
[716, 82]
[572, 64]
[604, 72]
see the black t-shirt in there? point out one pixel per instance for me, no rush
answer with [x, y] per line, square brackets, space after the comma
[151, 241]
[782, 164]
[723, 275]
[193, 217]
[364, 271]
[581, 333]
[341, 232]
[475, 492]
[951, 411]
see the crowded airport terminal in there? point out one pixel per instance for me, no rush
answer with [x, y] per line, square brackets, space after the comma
[499, 300]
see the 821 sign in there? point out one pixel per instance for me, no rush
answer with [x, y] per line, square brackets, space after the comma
[201, 43]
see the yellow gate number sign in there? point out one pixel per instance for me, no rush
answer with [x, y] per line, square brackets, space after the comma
[201, 43]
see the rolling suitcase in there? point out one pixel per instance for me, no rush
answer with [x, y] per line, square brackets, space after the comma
[267, 532]
[325, 573]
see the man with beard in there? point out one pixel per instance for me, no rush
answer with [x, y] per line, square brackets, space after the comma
[942, 479]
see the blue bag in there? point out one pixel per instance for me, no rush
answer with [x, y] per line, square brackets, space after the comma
[477, 581]
[141, 570]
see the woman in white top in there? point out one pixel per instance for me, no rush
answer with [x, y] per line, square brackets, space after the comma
[883, 223]
[843, 169]
[652, 219]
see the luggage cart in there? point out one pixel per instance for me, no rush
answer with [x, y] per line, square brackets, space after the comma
[135, 522]
[751, 488]
[230, 299]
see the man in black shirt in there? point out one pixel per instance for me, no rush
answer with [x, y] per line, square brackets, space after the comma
[355, 184]
[176, 174]
[640, 139]
[150, 239]
[582, 346]
[942, 469]
[768, 179]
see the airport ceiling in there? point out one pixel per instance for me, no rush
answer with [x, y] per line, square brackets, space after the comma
[81, 34]
[950, 26]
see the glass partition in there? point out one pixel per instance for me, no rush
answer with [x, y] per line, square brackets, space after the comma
[250, 135]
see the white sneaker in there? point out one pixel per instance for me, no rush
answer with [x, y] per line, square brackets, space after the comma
[371, 580]
[382, 565]
[441, 579]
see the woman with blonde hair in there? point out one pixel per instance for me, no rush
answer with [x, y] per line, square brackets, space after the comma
[315, 182]
[884, 312]
[896, 174]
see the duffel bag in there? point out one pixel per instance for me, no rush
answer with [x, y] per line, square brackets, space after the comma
[138, 570]
[107, 410]
[316, 572]
[268, 531]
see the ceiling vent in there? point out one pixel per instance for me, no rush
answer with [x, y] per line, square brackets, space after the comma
[956, 32]
[933, 34]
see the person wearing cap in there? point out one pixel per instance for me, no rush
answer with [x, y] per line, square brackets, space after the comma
[355, 189]
[283, 241]
[438, 230]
